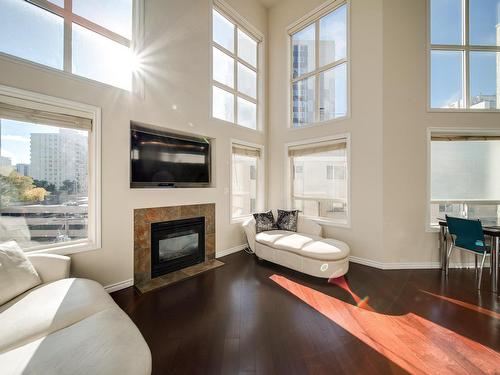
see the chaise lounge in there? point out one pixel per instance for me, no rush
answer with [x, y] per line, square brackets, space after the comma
[304, 251]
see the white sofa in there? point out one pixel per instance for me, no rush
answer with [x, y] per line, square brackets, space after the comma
[304, 251]
[68, 326]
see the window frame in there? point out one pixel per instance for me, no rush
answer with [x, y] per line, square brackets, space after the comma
[288, 178]
[429, 227]
[314, 17]
[466, 49]
[68, 18]
[261, 176]
[34, 100]
[240, 24]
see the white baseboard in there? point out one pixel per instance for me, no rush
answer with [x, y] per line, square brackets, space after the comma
[408, 265]
[223, 253]
[119, 286]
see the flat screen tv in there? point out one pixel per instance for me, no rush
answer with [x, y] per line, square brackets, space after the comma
[160, 159]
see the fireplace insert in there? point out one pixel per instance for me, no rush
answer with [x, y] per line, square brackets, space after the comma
[177, 244]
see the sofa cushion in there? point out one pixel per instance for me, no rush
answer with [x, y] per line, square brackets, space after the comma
[264, 221]
[17, 274]
[104, 343]
[49, 308]
[287, 220]
[306, 245]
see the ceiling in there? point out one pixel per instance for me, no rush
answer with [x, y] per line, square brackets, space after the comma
[269, 3]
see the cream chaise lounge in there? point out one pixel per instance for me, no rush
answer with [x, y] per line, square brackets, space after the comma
[68, 326]
[305, 250]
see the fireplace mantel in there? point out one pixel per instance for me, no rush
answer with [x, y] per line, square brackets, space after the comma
[144, 217]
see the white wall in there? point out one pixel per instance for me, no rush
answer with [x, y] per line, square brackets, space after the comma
[364, 125]
[177, 71]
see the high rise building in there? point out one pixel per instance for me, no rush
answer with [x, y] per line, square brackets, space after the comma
[498, 56]
[59, 157]
[23, 169]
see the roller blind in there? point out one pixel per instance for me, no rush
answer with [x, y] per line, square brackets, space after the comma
[246, 151]
[37, 116]
[317, 148]
[463, 137]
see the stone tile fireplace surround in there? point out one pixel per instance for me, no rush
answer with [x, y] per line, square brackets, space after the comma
[144, 217]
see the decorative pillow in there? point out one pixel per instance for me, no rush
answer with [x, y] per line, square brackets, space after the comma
[264, 221]
[287, 220]
[17, 274]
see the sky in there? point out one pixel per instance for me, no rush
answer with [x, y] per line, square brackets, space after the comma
[446, 66]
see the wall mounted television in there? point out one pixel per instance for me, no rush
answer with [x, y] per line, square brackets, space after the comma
[164, 159]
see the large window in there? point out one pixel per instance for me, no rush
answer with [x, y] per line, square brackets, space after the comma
[319, 185]
[89, 38]
[319, 54]
[464, 176]
[464, 54]
[246, 176]
[48, 194]
[235, 73]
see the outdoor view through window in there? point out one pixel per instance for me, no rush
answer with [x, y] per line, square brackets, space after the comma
[43, 183]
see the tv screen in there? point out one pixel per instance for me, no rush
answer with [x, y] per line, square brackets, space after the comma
[161, 159]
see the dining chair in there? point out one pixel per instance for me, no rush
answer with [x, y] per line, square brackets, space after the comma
[467, 235]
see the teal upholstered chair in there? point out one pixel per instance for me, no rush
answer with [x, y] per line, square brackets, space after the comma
[467, 235]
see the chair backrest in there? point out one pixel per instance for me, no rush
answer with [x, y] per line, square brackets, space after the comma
[468, 234]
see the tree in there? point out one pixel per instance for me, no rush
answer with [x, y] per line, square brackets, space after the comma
[13, 188]
[68, 186]
[37, 194]
[46, 185]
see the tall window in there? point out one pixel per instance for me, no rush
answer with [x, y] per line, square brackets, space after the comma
[464, 176]
[235, 73]
[245, 172]
[47, 193]
[319, 69]
[318, 186]
[465, 54]
[89, 38]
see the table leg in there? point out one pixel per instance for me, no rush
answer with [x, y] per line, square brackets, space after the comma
[495, 245]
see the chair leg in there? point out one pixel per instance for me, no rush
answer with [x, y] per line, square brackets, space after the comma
[448, 258]
[475, 265]
[481, 271]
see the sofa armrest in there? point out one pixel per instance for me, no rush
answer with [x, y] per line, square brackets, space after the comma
[249, 227]
[308, 226]
[50, 267]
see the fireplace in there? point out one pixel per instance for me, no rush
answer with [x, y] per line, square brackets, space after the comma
[177, 244]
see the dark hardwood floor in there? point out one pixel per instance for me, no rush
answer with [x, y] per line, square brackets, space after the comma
[237, 320]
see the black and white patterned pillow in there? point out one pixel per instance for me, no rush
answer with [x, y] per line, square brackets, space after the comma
[287, 220]
[264, 221]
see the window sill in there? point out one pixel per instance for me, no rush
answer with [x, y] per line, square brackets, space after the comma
[66, 249]
[330, 222]
[461, 110]
[240, 219]
[319, 123]
[238, 126]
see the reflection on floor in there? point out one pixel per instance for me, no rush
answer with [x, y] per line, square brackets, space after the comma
[415, 344]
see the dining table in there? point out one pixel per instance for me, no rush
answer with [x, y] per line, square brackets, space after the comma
[491, 229]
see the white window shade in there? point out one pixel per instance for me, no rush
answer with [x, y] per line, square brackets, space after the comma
[246, 151]
[317, 148]
[465, 168]
[40, 116]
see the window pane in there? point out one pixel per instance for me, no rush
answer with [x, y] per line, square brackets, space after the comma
[333, 93]
[316, 191]
[446, 21]
[484, 21]
[223, 31]
[333, 36]
[303, 50]
[465, 170]
[57, 2]
[244, 185]
[247, 113]
[303, 101]
[223, 104]
[446, 79]
[223, 68]
[43, 184]
[247, 81]
[484, 84]
[115, 15]
[247, 48]
[101, 59]
[31, 33]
